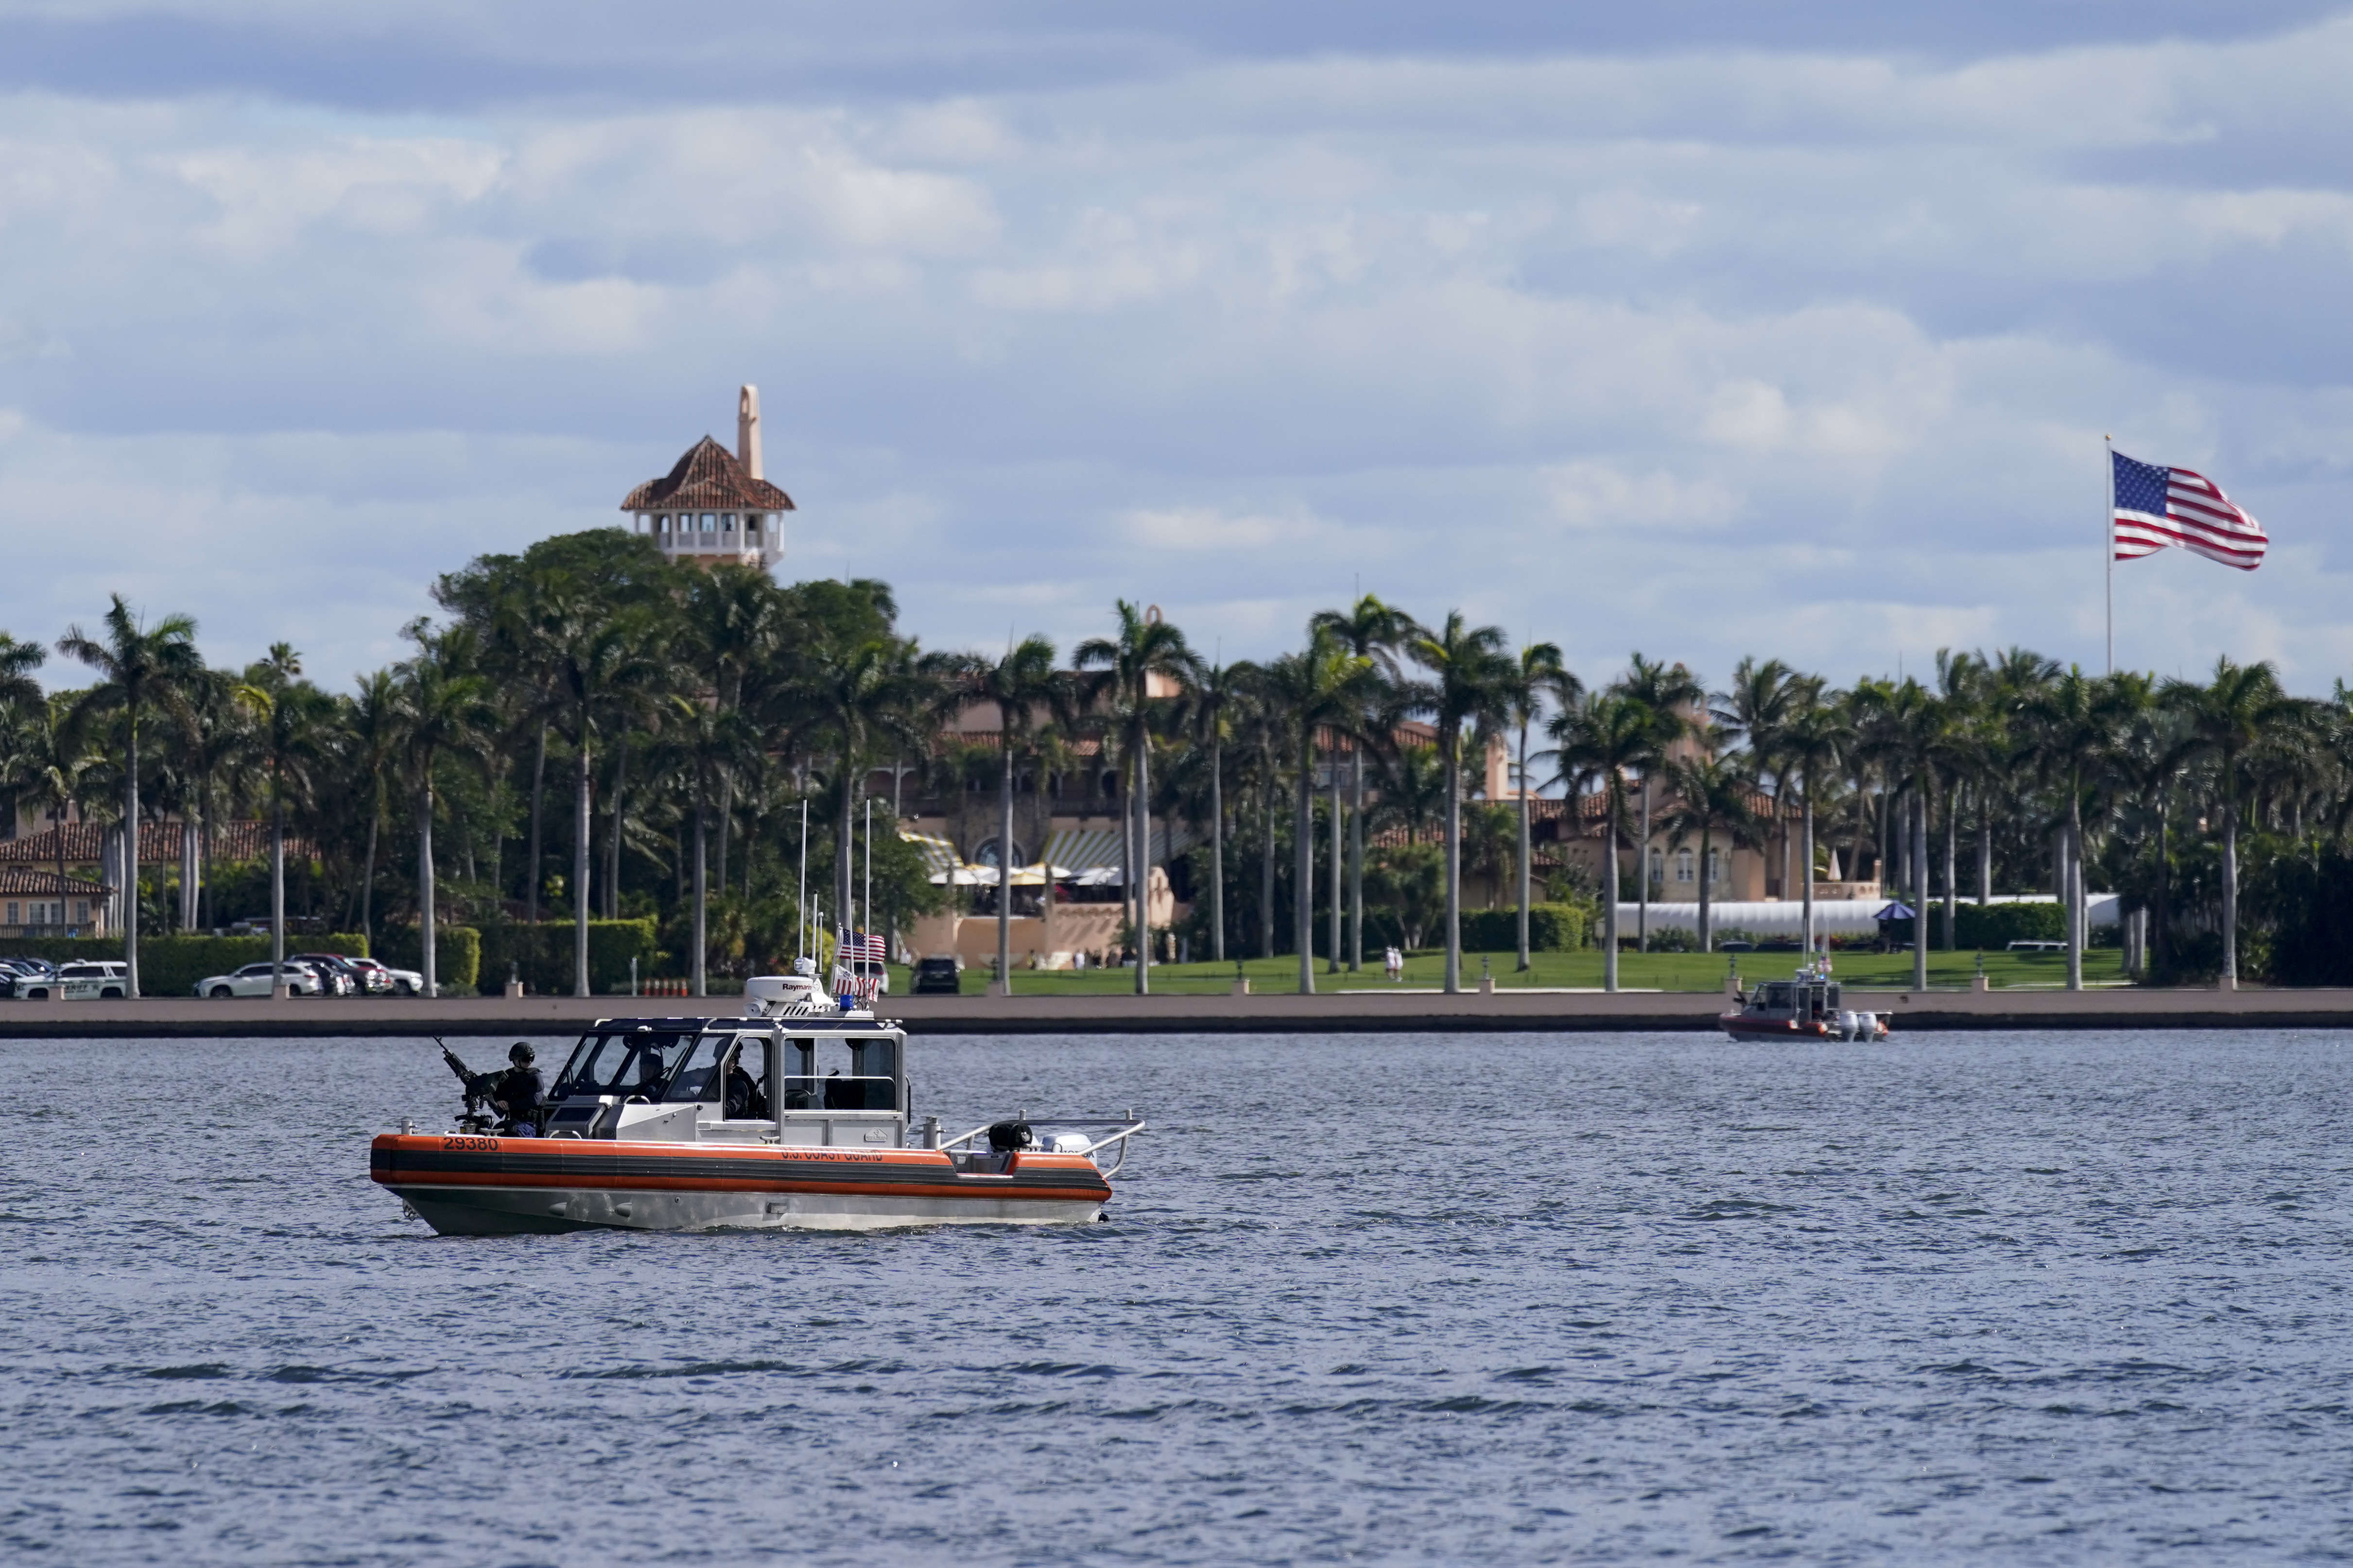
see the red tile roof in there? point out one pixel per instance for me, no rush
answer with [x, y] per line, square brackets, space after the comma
[159, 842]
[708, 477]
[21, 879]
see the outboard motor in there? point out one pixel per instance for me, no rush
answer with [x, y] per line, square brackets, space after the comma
[1849, 1023]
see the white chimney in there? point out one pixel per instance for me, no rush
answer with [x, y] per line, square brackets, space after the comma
[747, 431]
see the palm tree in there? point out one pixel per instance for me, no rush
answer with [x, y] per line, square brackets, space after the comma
[1711, 793]
[372, 726]
[1469, 676]
[864, 696]
[2225, 720]
[601, 661]
[1603, 737]
[139, 666]
[1218, 690]
[290, 715]
[54, 756]
[2072, 725]
[1368, 629]
[1814, 735]
[1318, 687]
[445, 707]
[1145, 648]
[1019, 684]
[1666, 692]
[1538, 676]
[1756, 708]
[17, 662]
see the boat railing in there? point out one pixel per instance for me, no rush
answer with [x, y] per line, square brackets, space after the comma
[1123, 1126]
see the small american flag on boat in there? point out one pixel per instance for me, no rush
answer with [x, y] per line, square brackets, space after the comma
[2161, 509]
[858, 948]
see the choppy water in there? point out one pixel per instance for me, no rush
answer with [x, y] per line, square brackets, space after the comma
[2056, 1299]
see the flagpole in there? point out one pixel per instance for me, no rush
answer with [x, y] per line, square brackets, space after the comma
[2108, 546]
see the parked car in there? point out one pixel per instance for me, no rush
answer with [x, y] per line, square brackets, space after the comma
[18, 973]
[875, 970]
[335, 966]
[401, 982]
[366, 979]
[82, 982]
[254, 980]
[937, 973]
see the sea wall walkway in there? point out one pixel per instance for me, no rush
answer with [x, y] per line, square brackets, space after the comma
[1357, 1013]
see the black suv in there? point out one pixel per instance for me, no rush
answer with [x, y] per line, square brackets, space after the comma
[936, 974]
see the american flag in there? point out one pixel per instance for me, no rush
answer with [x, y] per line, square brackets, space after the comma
[2158, 508]
[863, 945]
[856, 948]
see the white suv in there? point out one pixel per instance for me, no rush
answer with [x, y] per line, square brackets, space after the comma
[254, 980]
[83, 981]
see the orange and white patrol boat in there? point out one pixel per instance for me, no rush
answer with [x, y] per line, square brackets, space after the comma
[1806, 1005]
[708, 1124]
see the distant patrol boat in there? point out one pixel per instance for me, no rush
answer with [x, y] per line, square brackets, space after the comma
[1805, 1005]
[710, 1123]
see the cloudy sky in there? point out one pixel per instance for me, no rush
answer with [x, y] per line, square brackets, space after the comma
[1699, 328]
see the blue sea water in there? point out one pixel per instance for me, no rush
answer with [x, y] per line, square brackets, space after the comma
[2067, 1298]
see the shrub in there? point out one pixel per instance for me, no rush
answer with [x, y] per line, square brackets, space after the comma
[456, 952]
[1552, 927]
[1995, 926]
[170, 965]
[542, 956]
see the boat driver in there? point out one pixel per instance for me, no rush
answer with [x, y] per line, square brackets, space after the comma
[743, 1100]
[518, 1093]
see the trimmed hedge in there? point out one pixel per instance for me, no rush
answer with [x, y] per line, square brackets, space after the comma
[457, 952]
[1996, 926]
[1552, 927]
[171, 965]
[542, 954]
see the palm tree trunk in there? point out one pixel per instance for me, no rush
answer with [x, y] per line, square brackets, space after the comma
[533, 870]
[726, 822]
[701, 891]
[368, 877]
[1919, 900]
[1985, 848]
[2162, 968]
[1806, 916]
[188, 869]
[1143, 860]
[2072, 881]
[277, 893]
[1003, 984]
[425, 883]
[1707, 876]
[1331, 956]
[1952, 873]
[1302, 875]
[1216, 850]
[130, 848]
[580, 832]
[1526, 854]
[1610, 893]
[2230, 881]
[613, 854]
[1266, 869]
[1642, 874]
[1357, 863]
[1453, 864]
[1781, 824]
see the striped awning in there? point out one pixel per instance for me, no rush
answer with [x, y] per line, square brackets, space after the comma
[938, 854]
[1088, 852]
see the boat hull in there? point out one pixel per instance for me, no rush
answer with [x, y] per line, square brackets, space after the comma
[467, 1185]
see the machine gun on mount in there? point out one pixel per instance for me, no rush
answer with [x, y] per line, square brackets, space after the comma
[477, 1087]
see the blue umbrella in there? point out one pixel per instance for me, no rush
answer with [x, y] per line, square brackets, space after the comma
[1894, 912]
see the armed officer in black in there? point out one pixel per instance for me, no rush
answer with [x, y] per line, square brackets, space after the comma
[518, 1093]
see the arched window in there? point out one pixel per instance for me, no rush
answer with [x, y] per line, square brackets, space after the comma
[1110, 783]
[987, 854]
[1658, 865]
[1684, 866]
[1715, 866]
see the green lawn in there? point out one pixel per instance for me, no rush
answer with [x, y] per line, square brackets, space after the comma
[1655, 971]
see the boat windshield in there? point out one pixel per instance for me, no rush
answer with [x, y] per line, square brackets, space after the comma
[697, 1077]
[635, 1061]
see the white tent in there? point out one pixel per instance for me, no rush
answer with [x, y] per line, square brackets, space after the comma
[1832, 917]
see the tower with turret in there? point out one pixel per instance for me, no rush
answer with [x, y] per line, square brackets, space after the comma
[713, 505]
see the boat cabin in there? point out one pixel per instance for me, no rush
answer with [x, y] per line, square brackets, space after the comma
[1806, 999]
[811, 1082]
